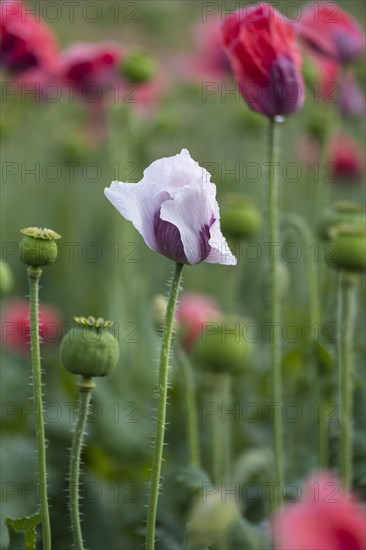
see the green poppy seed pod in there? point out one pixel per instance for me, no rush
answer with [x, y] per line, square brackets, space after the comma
[137, 67]
[6, 278]
[89, 349]
[340, 213]
[211, 519]
[158, 311]
[240, 218]
[222, 347]
[349, 251]
[38, 248]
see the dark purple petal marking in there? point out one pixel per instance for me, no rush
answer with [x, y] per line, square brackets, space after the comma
[204, 239]
[168, 240]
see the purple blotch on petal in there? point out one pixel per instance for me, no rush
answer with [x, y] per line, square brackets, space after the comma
[168, 240]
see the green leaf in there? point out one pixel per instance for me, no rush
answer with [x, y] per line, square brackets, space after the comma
[23, 532]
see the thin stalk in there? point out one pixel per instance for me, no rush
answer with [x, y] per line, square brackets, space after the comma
[296, 222]
[86, 387]
[34, 274]
[346, 321]
[162, 403]
[273, 211]
[191, 408]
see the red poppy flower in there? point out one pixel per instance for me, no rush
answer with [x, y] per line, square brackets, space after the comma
[91, 68]
[194, 311]
[15, 327]
[326, 517]
[345, 159]
[260, 44]
[25, 42]
[327, 29]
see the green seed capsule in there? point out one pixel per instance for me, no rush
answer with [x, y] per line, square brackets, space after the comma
[89, 349]
[349, 251]
[339, 214]
[38, 248]
[138, 67]
[222, 347]
[6, 278]
[240, 218]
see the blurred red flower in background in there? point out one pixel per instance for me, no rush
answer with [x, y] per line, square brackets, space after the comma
[325, 28]
[325, 518]
[92, 69]
[209, 60]
[25, 42]
[15, 327]
[346, 159]
[260, 44]
[194, 311]
[352, 100]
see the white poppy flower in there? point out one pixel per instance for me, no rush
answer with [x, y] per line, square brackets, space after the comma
[175, 210]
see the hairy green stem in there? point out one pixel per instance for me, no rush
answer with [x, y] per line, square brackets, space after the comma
[346, 321]
[86, 387]
[162, 403]
[191, 407]
[273, 212]
[34, 274]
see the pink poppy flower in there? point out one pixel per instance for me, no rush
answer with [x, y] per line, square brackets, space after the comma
[326, 518]
[15, 327]
[92, 68]
[175, 210]
[346, 159]
[193, 312]
[209, 60]
[25, 42]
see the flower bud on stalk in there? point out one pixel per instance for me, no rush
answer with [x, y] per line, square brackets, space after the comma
[89, 349]
[350, 247]
[222, 349]
[340, 213]
[38, 248]
[240, 218]
[137, 67]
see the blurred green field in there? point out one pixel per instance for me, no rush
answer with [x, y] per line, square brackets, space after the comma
[111, 273]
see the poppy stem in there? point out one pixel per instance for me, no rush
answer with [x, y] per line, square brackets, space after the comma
[86, 387]
[347, 312]
[34, 274]
[162, 393]
[273, 212]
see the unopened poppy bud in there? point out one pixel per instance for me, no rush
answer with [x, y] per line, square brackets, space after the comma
[6, 278]
[240, 218]
[340, 213]
[222, 347]
[158, 311]
[211, 520]
[89, 349]
[349, 247]
[137, 67]
[38, 247]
